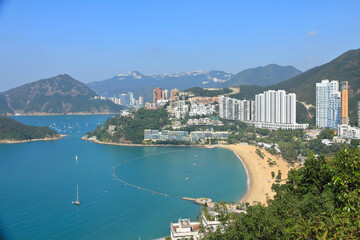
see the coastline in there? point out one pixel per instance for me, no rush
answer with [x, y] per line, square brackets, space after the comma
[9, 141]
[143, 145]
[258, 172]
[59, 114]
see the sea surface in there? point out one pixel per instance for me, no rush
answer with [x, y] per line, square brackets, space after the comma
[38, 184]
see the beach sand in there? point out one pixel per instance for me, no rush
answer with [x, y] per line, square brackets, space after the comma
[260, 180]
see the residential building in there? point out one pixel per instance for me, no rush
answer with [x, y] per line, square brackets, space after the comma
[184, 229]
[165, 94]
[141, 101]
[151, 106]
[234, 109]
[214, 121]
[275, 107]
[328, 104]
[197, 136]
[174, 92]
[210, 220]
[201, 109]
[344, 102]
[157, 94]
[178, 109]
[347, 132]
[166, 135]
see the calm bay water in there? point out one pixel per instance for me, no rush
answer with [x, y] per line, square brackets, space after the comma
[38, 182]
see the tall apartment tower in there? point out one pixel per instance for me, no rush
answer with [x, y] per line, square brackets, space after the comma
[344, 102]
[328, 104]
[157, 94]
[234, 109]
[275, 107]
[165, 94]
[141, 101]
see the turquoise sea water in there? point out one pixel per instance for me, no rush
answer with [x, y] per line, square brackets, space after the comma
[38, 183]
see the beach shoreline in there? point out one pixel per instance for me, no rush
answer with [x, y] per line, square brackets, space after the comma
[258, 172]
[9, 141]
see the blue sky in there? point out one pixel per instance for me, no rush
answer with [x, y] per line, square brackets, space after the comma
[94, 40]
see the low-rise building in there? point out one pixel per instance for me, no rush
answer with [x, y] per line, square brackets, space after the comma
[178, 109]
[274, 126]
[151, 106]
[348, 132]
[210, 220]
[184, 229]
[205, 122]
[197, 136]
[166, 135]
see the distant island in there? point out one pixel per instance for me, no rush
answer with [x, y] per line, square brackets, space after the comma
[61, 94]
[12, 131]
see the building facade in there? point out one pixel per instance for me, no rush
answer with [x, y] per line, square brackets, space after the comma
[344, 102]
[157, 94]
[234, 109]
[328, 104]
[275, 107]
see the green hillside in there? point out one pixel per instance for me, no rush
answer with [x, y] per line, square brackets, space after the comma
[11, 129]
[346, 67]
[60, 94]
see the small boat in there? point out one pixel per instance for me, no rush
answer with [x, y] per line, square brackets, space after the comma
[76, 158]
[77, 202]
[189, 170]
[187, 178]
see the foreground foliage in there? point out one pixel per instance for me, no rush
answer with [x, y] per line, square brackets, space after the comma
[320, 200]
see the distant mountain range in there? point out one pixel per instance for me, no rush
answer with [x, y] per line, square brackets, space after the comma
[57, 95]
[142, 85]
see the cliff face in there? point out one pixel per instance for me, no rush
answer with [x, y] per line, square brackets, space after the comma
[60, 94]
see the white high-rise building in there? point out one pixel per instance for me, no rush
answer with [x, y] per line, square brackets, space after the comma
[234, 109]
[328, 104]
[275, 107]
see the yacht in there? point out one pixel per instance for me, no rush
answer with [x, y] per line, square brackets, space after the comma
[77, 202]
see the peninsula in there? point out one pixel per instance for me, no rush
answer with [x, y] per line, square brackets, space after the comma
[12, 131]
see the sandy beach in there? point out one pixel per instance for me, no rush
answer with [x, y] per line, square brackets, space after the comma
[259, 171]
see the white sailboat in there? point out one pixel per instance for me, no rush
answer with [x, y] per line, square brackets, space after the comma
[77, 202]
[76, 158]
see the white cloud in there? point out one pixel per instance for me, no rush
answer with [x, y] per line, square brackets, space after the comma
[313, 32]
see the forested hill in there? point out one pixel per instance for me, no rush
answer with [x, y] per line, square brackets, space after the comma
[346, 67]
[61, 94]
[11, 129]
[263, 75]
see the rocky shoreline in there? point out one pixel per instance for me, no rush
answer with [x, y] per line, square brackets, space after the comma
[11, 141]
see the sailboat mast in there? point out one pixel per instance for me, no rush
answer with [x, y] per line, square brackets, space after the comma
[77, 192]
